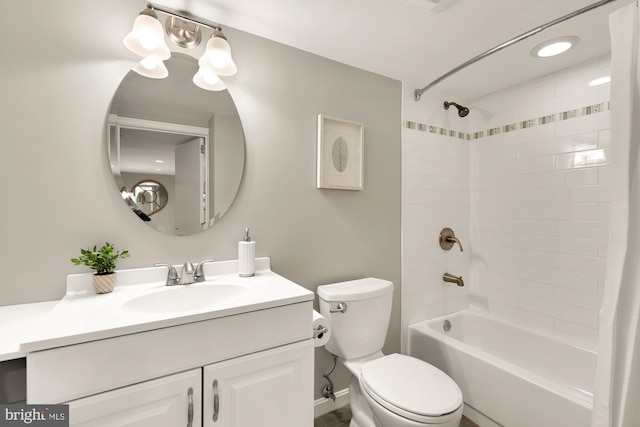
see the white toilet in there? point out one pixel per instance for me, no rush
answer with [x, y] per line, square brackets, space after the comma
[385, 391]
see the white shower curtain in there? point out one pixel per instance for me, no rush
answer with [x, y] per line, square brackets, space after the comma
[617, 391]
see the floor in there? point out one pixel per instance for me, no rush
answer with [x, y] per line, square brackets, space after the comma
[341, 417]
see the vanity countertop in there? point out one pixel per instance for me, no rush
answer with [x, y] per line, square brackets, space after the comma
[83, 316]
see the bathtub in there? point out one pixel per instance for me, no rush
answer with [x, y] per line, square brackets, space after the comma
[509, 375]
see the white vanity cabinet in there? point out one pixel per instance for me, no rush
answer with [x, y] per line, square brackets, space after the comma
[261, 362]
[266, 389]
[170, 401]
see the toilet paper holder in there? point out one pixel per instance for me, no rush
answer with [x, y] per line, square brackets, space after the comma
[319, 331]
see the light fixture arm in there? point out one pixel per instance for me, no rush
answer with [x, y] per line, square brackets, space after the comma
[186, 17]
[149, 11]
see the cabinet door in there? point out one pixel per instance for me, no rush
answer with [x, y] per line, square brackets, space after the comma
[169, 401]
[272, 388]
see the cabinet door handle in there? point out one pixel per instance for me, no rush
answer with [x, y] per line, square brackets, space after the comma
[216, 401]
[190, 408]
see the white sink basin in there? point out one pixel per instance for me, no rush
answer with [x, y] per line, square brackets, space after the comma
[181, 298]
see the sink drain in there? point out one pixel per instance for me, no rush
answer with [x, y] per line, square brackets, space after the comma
[446, 325]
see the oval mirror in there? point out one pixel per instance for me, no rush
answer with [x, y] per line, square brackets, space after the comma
[187, 140]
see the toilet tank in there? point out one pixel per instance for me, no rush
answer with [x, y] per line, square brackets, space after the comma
[362, 328]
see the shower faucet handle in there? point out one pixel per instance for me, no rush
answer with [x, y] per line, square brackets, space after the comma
[448, 238]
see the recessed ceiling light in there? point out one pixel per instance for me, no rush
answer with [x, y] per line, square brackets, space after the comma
[600, 81]
[159, 161]
[554, 47]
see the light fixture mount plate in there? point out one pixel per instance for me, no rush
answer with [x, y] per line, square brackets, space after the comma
[186, 34]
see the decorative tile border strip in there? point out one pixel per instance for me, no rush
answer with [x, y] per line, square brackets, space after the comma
[544, 120]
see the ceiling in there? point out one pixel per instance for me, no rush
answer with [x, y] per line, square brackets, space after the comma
[398, 39]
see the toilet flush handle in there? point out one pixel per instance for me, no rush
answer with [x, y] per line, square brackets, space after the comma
[340, 308]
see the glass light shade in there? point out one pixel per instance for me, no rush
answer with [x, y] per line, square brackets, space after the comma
[151, 67]
[147, 38]
[207, 79]
[218, 56]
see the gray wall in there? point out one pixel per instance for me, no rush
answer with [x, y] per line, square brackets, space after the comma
[58, 194]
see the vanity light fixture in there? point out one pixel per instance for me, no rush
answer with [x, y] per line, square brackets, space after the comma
[186, 34]
[207, 79]
[151, 67]
[218, 55]
[146, 38]
[554, 47]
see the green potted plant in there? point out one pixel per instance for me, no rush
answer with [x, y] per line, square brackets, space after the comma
[103, 261]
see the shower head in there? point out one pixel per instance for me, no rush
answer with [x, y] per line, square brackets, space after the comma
[462, 111]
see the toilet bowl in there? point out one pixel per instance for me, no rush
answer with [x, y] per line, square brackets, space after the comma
[386, 390]
[405, 391]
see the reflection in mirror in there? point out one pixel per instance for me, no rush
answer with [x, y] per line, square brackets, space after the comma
[147, 196]
[186, 140]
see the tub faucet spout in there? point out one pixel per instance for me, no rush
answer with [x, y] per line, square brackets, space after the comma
[453, 279]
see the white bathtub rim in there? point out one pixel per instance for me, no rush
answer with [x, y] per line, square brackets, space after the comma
[576, 395]
[565, 340]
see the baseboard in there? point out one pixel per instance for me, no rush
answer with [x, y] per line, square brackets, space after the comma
[478, 417]
[324, 406]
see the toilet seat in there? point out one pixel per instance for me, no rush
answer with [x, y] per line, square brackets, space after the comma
[411, 388]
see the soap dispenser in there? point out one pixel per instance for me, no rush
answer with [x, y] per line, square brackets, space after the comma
[246, 256]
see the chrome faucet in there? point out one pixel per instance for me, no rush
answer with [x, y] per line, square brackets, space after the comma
[453, 279]
[198, 274]
[188, 275]
[172, 275]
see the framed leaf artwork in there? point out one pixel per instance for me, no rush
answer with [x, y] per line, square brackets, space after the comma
[340, 154]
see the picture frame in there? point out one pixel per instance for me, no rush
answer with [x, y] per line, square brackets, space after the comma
[340, 157]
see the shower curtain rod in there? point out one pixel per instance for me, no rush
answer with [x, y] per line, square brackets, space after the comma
[418, 92]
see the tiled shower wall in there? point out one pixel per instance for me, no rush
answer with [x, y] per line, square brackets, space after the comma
[531, 174]
[435, 194]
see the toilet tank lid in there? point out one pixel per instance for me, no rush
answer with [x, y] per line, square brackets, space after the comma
[369, 287]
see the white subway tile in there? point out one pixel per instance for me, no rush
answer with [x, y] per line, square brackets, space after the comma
[577, 332]
[588, 229]
[578, 298]
[580, 263]
[536, 289]
[503, 296]
[604, 138]
[582, 176]
[579, 125]
[604, 211]
[523, 317]
[603, 248]
[572, 279]
[604, 175]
